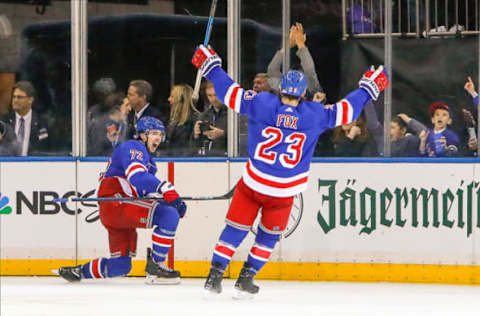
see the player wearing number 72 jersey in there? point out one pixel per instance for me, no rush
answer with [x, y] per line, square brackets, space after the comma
[282, 133]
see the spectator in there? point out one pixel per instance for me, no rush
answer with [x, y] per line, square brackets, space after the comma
[101, 89]
[439, 141]
[109, 129]
[468, 118]
[354, 140]
[403, 144]
[470, 88]
[183, 116]
[472, 145]
[260, 83]
[139, 96]
[297, 38]
[8, 142]
[359, 20]
[210, 131]
[30, 131]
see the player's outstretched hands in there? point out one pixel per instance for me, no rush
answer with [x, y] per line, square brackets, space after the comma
[206, 59]
[374, 81]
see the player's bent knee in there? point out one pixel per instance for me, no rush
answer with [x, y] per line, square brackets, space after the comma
[166, 217]
[120, 266]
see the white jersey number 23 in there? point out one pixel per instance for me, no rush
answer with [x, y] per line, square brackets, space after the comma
[274, 136]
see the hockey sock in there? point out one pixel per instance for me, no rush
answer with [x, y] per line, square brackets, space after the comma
[230, 239]
[261, 249]
[107, 268]
[166, 220]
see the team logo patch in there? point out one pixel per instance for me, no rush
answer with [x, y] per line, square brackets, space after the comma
[249, 94]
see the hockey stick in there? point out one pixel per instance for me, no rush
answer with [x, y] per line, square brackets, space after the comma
[225, 196]
[198, 80]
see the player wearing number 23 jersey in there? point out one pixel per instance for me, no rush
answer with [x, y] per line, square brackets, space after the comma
[282, 133]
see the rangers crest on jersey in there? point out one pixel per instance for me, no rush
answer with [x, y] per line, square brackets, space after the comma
[249, 94]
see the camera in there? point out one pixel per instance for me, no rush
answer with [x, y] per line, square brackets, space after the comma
[204, 126]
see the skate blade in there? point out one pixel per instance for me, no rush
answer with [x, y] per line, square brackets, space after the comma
[208, 294]
[153, 280]
[242, 295]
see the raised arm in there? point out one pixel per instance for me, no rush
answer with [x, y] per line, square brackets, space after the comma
[347, 110]
[306, 59]
[470, 88]
[227, 91]
[274, 70]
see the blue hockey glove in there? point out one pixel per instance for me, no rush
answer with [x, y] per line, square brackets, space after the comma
[206, 59]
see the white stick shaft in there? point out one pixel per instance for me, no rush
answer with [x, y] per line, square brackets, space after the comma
[196, 90]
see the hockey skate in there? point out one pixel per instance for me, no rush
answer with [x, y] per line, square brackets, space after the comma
[71, 274]
[213, 284]
[158, 273]
[244, 287]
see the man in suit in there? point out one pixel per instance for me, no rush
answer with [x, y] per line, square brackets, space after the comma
[31, 133]
[139, 96]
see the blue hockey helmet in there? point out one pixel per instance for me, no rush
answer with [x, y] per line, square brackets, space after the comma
[147, 123]
[293, 84]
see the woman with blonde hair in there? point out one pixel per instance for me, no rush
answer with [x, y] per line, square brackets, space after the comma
[183, 115]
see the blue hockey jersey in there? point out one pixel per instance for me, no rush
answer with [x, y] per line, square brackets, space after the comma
[434, 147]
[281, 138]
[132, 161]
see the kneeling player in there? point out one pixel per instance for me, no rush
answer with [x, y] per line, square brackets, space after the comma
[282, 133]
[131, 173]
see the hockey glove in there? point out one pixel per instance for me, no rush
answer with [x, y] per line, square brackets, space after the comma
[171, 198]
[374, 81]
[180, 206]
[206, 59]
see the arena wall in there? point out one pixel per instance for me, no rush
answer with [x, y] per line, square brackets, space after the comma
[402, 222]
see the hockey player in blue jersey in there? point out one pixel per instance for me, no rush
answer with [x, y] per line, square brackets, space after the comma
[131, 173]
[282, 133]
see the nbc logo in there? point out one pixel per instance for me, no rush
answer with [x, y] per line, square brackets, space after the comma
[4, 208]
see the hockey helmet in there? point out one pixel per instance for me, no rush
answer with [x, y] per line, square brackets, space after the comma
[148, 123]
[293, 83]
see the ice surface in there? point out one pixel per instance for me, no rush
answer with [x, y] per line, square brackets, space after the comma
[52, 296]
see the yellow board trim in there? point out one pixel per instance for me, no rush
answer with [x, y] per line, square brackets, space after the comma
[303, 271]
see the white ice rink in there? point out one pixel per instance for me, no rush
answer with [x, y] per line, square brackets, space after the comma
[51, 296]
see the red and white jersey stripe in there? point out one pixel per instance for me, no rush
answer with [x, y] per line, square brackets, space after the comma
[224, 250]
[261, 253]
[344, 112]
[233, 97]
[134, 168]
[272, 185]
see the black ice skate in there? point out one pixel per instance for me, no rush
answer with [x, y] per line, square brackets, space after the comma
[213, 284]
[158, 273]
[71, 274]
[244, 287]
